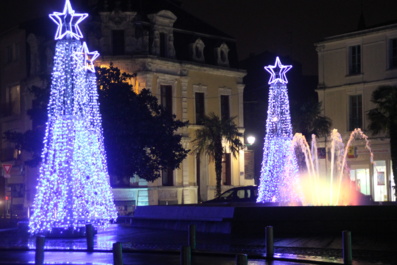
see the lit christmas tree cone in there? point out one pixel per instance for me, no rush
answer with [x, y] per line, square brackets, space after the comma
[279, 174]
[73, 187]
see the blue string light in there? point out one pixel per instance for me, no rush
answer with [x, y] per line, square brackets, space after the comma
[279, 173]
[73, 187]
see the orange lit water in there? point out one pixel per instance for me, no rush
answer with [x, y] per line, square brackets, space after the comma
[334, 187]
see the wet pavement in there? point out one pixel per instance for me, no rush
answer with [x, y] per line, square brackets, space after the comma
[132, 259]
[162, 247]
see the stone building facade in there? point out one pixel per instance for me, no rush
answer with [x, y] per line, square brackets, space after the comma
[351, 66]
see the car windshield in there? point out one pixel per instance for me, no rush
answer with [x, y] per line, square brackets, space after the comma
[226, 195]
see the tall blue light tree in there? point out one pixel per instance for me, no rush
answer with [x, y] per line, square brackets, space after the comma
[279, 172]
[73, 187]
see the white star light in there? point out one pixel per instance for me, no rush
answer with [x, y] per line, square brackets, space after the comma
[89, 57]
[68, 22]
[278, 76]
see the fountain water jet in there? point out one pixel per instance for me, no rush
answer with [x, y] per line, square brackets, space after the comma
[335, 188]
[280, 181]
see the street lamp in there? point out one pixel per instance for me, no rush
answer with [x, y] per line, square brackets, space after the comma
[250, 140]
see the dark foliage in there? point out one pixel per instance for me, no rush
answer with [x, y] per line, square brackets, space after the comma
[306, 118]
[139, 134]
[383, 118]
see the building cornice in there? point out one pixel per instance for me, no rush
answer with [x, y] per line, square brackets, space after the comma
[376, 83]
[355, 34]
[172, 67]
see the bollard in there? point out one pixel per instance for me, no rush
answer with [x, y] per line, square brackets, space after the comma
[186, 255]
[192, 237]
[89, 233]
[117, 254]
[39, 258]
[241, 259]
[347, 247]
[269, 242]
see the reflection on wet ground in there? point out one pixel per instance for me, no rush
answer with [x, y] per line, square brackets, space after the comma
[132, 259]
[163, 247]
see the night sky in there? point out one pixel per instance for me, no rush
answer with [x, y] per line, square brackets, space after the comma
[285, 27]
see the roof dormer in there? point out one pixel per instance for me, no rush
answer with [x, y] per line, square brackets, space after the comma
[197, 50]
[163, 33]
[222, 55]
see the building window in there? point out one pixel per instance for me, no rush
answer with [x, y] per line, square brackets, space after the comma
[355, 112]
[380, 184]
[361, 178]
[393, 54]
[139, 31]
[163, 44]
[9, 54]
[198, 175]
[226, 170]
[197, 50]
[12, 101]
[222, 55]
[225, 107]
[200, 111]
[118, 42]
[166, 97]
[355, 59]
[167, 177]
[12, 53]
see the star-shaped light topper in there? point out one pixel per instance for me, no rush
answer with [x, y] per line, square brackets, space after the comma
[68, 22]
[89, 57]
[277, 72]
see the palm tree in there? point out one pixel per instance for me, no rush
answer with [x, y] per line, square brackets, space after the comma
[209, 141]
[307, 119]
[383, 118]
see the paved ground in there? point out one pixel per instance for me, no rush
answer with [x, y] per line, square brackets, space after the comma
[136, 259]
[162, 247]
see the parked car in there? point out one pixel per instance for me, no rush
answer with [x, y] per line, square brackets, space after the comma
[238, 195]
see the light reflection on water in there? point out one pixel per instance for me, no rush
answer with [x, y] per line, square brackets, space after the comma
[103, 240]
[136, 239]
[139, 259]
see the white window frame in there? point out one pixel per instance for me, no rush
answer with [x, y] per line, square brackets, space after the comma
[223, 49]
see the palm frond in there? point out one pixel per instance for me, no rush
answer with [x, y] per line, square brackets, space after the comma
[384, 115]
[209, 138]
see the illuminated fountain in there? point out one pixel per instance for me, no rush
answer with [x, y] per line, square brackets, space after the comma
[333, 187]
[282, 181]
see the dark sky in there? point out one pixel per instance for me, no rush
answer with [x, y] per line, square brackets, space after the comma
[286, 27]
[289, 27]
